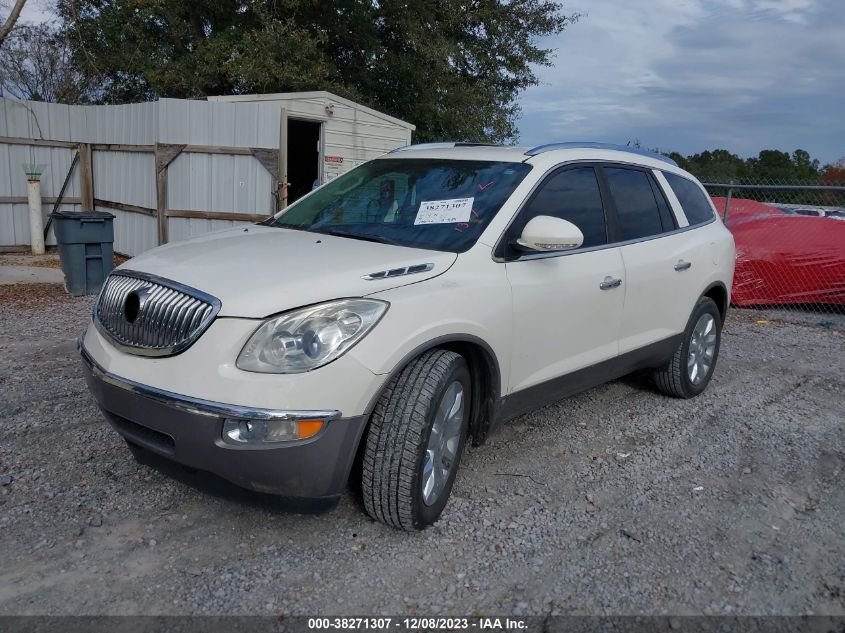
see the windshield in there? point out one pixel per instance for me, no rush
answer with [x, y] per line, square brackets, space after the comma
[440, 205]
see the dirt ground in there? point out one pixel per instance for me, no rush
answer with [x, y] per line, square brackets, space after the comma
[616, 501]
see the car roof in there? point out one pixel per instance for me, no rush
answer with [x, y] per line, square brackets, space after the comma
[558, 151]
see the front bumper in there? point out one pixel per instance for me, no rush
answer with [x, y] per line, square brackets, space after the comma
[189, 431]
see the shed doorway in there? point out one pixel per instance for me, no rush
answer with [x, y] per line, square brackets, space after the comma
[303, 157]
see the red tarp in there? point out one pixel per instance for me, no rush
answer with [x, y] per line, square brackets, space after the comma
[783, 258]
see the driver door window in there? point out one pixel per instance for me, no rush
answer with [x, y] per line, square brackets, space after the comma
[573, 195]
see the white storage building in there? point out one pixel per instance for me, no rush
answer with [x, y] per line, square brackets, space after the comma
[328, 135]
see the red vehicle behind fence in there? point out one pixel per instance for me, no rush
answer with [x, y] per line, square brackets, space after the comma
[783, 257]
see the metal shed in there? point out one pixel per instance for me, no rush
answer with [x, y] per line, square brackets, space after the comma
[327, 135]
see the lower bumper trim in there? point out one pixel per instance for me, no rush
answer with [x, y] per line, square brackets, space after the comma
[317, 467]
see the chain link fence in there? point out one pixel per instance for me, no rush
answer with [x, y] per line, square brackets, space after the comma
[790, 248]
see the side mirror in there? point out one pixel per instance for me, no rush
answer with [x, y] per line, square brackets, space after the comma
[545, 233]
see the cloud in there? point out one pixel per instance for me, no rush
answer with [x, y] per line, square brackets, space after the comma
[697, 74]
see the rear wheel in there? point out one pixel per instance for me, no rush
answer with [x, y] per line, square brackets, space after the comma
[417, 434]
[690, 369]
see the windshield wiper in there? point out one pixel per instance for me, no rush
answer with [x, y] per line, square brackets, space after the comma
[358, 236]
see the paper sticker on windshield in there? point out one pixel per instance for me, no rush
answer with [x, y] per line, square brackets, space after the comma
[444, 211]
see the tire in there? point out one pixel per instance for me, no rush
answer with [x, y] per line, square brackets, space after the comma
[676, 378]
[397, 461]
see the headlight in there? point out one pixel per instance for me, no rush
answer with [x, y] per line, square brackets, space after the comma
[308, 338]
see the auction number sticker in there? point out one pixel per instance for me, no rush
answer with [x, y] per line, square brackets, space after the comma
[444, 211]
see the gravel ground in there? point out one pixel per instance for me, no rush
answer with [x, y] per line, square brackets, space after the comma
[617, 501]
[49, 260]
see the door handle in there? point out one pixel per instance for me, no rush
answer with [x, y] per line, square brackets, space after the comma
[682, 265]
[610, 282]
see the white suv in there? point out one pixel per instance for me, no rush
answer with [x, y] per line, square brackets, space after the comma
[412, 303]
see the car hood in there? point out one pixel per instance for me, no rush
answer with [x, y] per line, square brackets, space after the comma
[258, 271]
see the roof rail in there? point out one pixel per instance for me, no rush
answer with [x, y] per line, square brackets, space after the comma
[591, 145]
[410, 148]
[449, 145]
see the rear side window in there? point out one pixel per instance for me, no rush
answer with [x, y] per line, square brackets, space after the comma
[666, 215]
[636, 205]
[695, 204]
[573, 195]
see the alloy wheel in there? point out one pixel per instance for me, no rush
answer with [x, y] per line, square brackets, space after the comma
[702, 348]
[442, 450]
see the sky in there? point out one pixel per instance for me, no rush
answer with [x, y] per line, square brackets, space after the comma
[692, 75]
[34, 11]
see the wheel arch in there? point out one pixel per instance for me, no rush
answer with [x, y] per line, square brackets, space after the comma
[719, 293]
[485, 372]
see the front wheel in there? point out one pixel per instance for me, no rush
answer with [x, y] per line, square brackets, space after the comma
[690, 369]
[417, 434]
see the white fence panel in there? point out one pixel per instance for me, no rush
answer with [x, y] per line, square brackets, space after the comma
[196, 181]
[32, 120]
[128, 177]
[216, 182]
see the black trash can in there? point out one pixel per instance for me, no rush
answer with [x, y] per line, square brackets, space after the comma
[85, 246]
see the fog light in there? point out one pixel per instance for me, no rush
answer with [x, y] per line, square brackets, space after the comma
[269, 431]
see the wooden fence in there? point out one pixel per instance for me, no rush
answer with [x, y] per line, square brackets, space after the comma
[203, 182]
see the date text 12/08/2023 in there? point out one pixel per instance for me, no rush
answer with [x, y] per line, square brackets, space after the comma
[417, 624]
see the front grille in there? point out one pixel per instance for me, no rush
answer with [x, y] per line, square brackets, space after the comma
[150, 316]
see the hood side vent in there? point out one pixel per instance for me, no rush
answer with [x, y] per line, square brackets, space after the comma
[398, 272]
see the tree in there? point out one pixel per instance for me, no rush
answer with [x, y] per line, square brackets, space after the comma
[771, 164]
[137, 51]
[716, 165]
[35, 64]
[804, 167]
[833, 174]
[683, 163]
[11, 19]
[768, 167]
[452, 67]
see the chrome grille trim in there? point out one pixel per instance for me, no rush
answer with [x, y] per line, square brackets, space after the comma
[170, 318]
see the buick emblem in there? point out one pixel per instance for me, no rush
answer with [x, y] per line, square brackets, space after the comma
[134, 303]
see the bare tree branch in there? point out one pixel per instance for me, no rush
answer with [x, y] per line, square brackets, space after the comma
[36, 64]
[9, 24]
